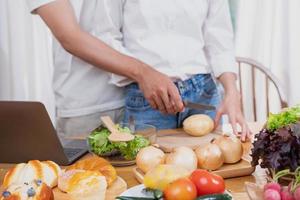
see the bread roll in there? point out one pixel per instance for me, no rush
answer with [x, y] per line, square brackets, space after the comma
[46, 171]
[36, 190]
[83, 185]
[96, 163]
[198, 125]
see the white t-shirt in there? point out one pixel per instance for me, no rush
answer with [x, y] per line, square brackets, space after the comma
[79, 87]
[179, 38]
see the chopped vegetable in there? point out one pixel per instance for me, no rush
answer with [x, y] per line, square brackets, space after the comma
[130, 149]
[100, 145]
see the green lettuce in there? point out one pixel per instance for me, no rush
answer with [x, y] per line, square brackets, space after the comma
[284, 118]
[100, 145]
[130, 149]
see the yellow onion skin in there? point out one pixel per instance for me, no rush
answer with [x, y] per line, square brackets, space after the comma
[231, 147]
[184, 157]
[149, 157]
[210, 157]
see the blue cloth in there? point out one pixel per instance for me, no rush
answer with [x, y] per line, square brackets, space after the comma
[199, 89]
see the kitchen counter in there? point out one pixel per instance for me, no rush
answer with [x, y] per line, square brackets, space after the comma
[234, 185]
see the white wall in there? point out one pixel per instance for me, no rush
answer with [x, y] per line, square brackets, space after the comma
[25, 55]
[269, 32]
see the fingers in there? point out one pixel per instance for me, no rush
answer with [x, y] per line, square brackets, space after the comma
[152, 104]
[175, 99]
[233, 125]
[169, 105]
[218, 118]
[160, 104]
[246, 133]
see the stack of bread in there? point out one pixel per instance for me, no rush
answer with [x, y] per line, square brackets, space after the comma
[32, 180]
[87, 179]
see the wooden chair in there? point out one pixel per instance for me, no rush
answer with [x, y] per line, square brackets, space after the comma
[253, 68]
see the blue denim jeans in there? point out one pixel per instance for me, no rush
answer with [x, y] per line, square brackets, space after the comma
[199, 88]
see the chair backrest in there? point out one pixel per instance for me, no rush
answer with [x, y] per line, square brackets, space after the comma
[264, 82]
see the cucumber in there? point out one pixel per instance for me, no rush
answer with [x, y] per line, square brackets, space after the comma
[215, 197]
[157, 194]
[134, 198]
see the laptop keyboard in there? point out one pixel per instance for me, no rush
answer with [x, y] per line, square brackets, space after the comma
[70, 152]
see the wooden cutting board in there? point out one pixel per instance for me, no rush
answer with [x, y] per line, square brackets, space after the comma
[167, 140]
[118, 187]
[170, 139]
[242, 168]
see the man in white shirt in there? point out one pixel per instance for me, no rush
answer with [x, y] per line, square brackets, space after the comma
[191, 42]
[83, 30]
[183, 42]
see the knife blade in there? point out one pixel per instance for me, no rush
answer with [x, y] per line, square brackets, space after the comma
[198, 106]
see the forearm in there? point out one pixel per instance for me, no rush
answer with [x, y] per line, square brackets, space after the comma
[60, 18]
[228, 80]
[99, 54]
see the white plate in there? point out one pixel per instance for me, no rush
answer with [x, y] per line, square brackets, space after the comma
[136, 191]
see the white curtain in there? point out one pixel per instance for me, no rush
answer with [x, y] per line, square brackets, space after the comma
[25, 56]
[268, 31]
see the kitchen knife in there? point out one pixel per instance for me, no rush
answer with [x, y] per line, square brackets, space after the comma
[198, 106]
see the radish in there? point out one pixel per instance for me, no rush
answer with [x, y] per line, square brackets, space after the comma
[271, 194]
[297, 194]
[286, 195]
[273, 186]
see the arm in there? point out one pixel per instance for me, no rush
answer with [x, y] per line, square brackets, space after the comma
[219, 48]
[60, 18]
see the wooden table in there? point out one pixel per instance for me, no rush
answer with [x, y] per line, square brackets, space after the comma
[235, 185]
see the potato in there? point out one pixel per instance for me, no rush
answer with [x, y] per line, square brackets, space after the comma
[198, 125]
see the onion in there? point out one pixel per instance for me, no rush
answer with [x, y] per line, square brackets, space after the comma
[231, 148]
[210, 157]
[184, 157]
[149, 157]
[198, 125]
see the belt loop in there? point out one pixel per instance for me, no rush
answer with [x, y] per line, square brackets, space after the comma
[195, 82]
[180, 87]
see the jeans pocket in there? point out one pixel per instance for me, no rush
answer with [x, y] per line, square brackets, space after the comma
[210, 89]
[135, 100]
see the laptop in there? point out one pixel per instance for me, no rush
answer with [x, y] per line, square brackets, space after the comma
[27, 133]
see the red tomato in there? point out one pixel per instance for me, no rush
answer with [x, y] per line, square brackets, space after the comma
[181, 189]
[207, 183]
